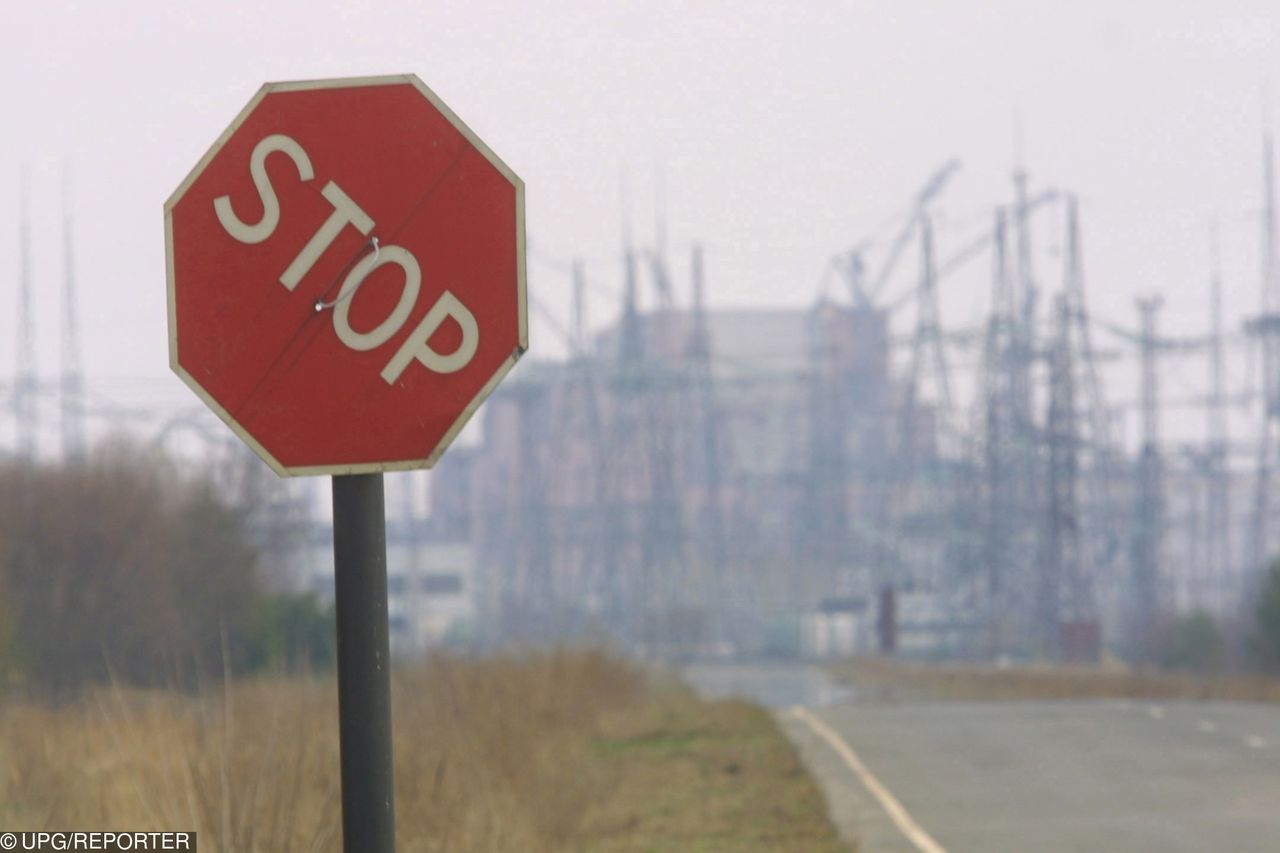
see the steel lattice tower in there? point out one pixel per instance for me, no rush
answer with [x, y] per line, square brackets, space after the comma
[1217, 567]
[1149, 530]
[72, 382]
[710, 449]
[1267, 328]
[996, 431]
[1060, 591]
[25, 405]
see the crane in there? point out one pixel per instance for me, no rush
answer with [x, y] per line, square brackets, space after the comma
[931, 189]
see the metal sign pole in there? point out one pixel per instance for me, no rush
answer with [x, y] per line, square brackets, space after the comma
[364, 664]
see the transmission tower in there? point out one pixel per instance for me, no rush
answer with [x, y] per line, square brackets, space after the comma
[580, 455]
[625, 581]
[1091, 542]
[72, 384]
[1267, 328]
[1061, 594]
[25, 405]
[928, 367]
[1149, 531]
[1217, 551]
[662, 537]
[927, 345]
[996, 429]
[1025, 303]
[645, 530]
[709, 426]
[928, 359]
[579, 345]
[1016, 440]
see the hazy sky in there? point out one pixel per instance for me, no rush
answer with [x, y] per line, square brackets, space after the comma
[784, 133]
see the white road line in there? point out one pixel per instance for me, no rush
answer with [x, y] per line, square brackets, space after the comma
[899, 815]
[1256, 742]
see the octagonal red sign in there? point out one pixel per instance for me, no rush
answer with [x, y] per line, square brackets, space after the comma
[346, 275]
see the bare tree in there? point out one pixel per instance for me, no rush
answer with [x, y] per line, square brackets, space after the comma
[118, 565]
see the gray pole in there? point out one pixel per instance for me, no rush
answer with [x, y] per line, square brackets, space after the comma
[364, 658]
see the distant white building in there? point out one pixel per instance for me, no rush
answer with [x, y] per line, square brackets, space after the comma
[839, 628]
[431, 589]
[430, 593]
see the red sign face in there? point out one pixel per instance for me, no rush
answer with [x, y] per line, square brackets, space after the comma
[346, 275]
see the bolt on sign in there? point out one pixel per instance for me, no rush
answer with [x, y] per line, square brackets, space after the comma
[346, 274]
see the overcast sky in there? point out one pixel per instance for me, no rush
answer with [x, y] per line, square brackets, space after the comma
[784, 134]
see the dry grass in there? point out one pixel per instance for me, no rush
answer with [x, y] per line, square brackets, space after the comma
[541, 753]
[1049, 683]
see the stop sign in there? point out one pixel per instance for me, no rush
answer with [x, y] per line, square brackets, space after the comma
[346, 275]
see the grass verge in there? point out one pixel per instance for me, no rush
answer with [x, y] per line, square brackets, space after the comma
[698, 776]
[549, 752]
[944, 681]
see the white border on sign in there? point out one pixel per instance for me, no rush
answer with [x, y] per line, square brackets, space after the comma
[522, 298]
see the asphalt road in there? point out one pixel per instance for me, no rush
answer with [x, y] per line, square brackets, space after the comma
[1045, 776]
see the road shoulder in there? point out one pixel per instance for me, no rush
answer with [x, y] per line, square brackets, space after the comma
[857, 816]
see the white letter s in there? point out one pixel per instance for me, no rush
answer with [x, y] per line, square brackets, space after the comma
[270, 204]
